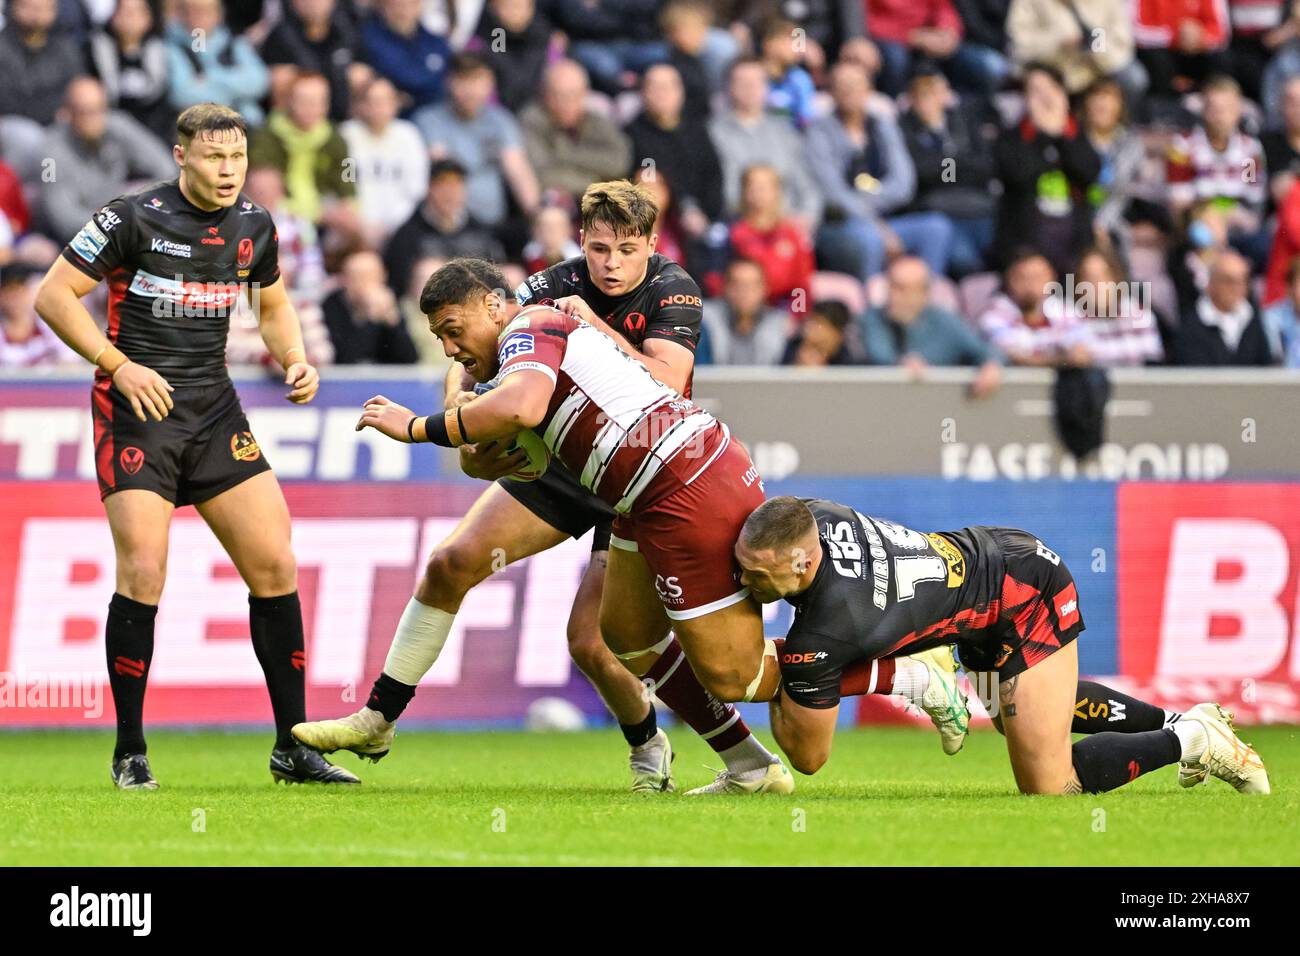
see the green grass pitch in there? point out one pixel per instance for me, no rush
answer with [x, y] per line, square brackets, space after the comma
[888, 796]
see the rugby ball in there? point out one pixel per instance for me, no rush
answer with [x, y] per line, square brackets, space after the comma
[539, 456]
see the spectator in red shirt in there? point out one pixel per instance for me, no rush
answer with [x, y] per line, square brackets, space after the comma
[1181, 42]
[1286, 246]
[910, 30]
[13, 204]
[767, 236]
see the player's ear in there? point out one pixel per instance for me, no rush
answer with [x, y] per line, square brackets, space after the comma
[178, 154]
[654, 241]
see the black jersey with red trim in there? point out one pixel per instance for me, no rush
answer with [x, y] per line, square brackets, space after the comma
[666, 305]
[882, 590]
[175, 273]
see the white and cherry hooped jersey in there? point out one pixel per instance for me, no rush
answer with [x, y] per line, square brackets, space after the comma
[627, 437]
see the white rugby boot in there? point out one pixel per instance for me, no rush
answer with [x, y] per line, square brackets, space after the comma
[944, 701]
[365, 733]
[1226, 755]
[652, 765]
[775, 778]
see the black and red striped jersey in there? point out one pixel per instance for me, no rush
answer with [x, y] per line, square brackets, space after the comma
[626, 437]
[175, 273]
[882, 590]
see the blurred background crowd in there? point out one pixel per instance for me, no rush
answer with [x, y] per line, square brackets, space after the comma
[1065, 183]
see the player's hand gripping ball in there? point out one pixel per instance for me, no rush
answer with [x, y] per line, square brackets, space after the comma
[539, 456]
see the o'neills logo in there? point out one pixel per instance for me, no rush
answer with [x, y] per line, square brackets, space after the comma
[212, 238]
[244, 254]
[243, 447]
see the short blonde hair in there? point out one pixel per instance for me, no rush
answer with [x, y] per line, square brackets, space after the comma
[627, 208]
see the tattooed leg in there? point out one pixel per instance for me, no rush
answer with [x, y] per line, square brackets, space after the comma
[1036, 708]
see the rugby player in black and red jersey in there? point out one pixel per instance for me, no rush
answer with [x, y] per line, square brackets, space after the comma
[169, 429]
[865, 589]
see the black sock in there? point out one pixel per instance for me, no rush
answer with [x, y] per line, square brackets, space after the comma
[276, 627]
[1099, 708]
[1106, 761]
[637, 734]
[128, 643]
[390, 697]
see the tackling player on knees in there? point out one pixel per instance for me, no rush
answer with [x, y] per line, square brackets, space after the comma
[865, 588]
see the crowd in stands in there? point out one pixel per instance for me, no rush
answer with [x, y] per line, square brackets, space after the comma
[911, 183]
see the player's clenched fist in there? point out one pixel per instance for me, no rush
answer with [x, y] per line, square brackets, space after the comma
[387, 417]
[145, 389]
[305, 381]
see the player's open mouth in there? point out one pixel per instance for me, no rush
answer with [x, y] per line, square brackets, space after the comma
[469, 364]
[226, 190]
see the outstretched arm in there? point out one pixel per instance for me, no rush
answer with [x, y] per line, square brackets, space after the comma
[519, 402]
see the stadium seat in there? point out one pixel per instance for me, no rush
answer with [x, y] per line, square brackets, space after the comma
[627, 106]
[601, 104]
[977, 292]
[839, 287]
[1164, 298]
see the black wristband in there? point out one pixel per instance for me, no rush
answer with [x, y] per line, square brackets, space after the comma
[460, 423]
[435, 427]
[410, 428]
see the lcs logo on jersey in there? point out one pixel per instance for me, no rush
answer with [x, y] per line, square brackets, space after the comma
[670, 592]
[520, 343]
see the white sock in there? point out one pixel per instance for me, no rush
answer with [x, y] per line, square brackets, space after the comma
[1191, 734]
[911, 679]
[417, 642]
[1172, 717]
[746, 756]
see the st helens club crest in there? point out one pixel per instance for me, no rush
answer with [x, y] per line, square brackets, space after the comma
[244, 256]
[131, 459]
